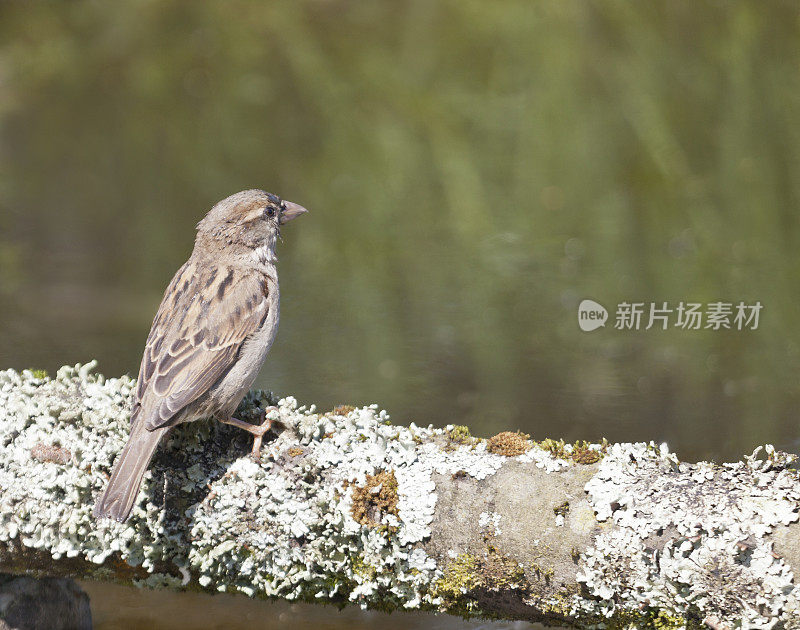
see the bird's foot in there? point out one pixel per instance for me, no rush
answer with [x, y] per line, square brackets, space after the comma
[258, 430]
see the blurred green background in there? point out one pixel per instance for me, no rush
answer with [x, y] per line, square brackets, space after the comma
[474, 170]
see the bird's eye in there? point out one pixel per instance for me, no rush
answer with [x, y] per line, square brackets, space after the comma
[270, 211]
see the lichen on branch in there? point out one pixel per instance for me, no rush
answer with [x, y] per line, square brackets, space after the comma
[346, 507]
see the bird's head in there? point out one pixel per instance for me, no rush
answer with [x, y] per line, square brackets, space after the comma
[249, 220]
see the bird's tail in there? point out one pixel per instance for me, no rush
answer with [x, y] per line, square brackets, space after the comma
[123, 487]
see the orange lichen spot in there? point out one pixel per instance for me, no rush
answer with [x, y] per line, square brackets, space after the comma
[342, 410]
[294, 451]
[509, 443]
[582, 454]
[376, 498]
[51, 453]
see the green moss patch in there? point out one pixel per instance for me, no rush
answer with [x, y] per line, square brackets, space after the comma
[581, 452]
[469, 580]
[561, 510]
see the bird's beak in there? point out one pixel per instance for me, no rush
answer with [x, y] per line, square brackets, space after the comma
[290, 211]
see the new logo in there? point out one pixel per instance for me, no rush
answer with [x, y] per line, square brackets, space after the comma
[591, 315]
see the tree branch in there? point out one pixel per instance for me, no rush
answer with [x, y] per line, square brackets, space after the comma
[346, 507]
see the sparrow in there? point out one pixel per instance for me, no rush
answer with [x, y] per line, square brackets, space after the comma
[209, 338]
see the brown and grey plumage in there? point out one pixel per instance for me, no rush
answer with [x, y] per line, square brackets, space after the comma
[209, 338]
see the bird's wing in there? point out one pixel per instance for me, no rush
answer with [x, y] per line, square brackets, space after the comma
[206, 315]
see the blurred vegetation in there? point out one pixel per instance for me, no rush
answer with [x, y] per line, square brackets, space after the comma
[474, 169]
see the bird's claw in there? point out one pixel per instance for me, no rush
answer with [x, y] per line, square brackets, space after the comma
[258, 430]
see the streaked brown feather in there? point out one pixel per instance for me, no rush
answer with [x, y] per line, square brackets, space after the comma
[194, 341]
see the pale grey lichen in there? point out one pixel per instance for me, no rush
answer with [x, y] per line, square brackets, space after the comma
[279, 527]
[209, 517]
[692, 537]
[545, 460]
[490, 521]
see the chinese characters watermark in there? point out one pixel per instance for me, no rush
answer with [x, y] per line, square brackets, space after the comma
[663, 315]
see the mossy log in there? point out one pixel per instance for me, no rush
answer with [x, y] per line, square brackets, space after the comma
[345, 507]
